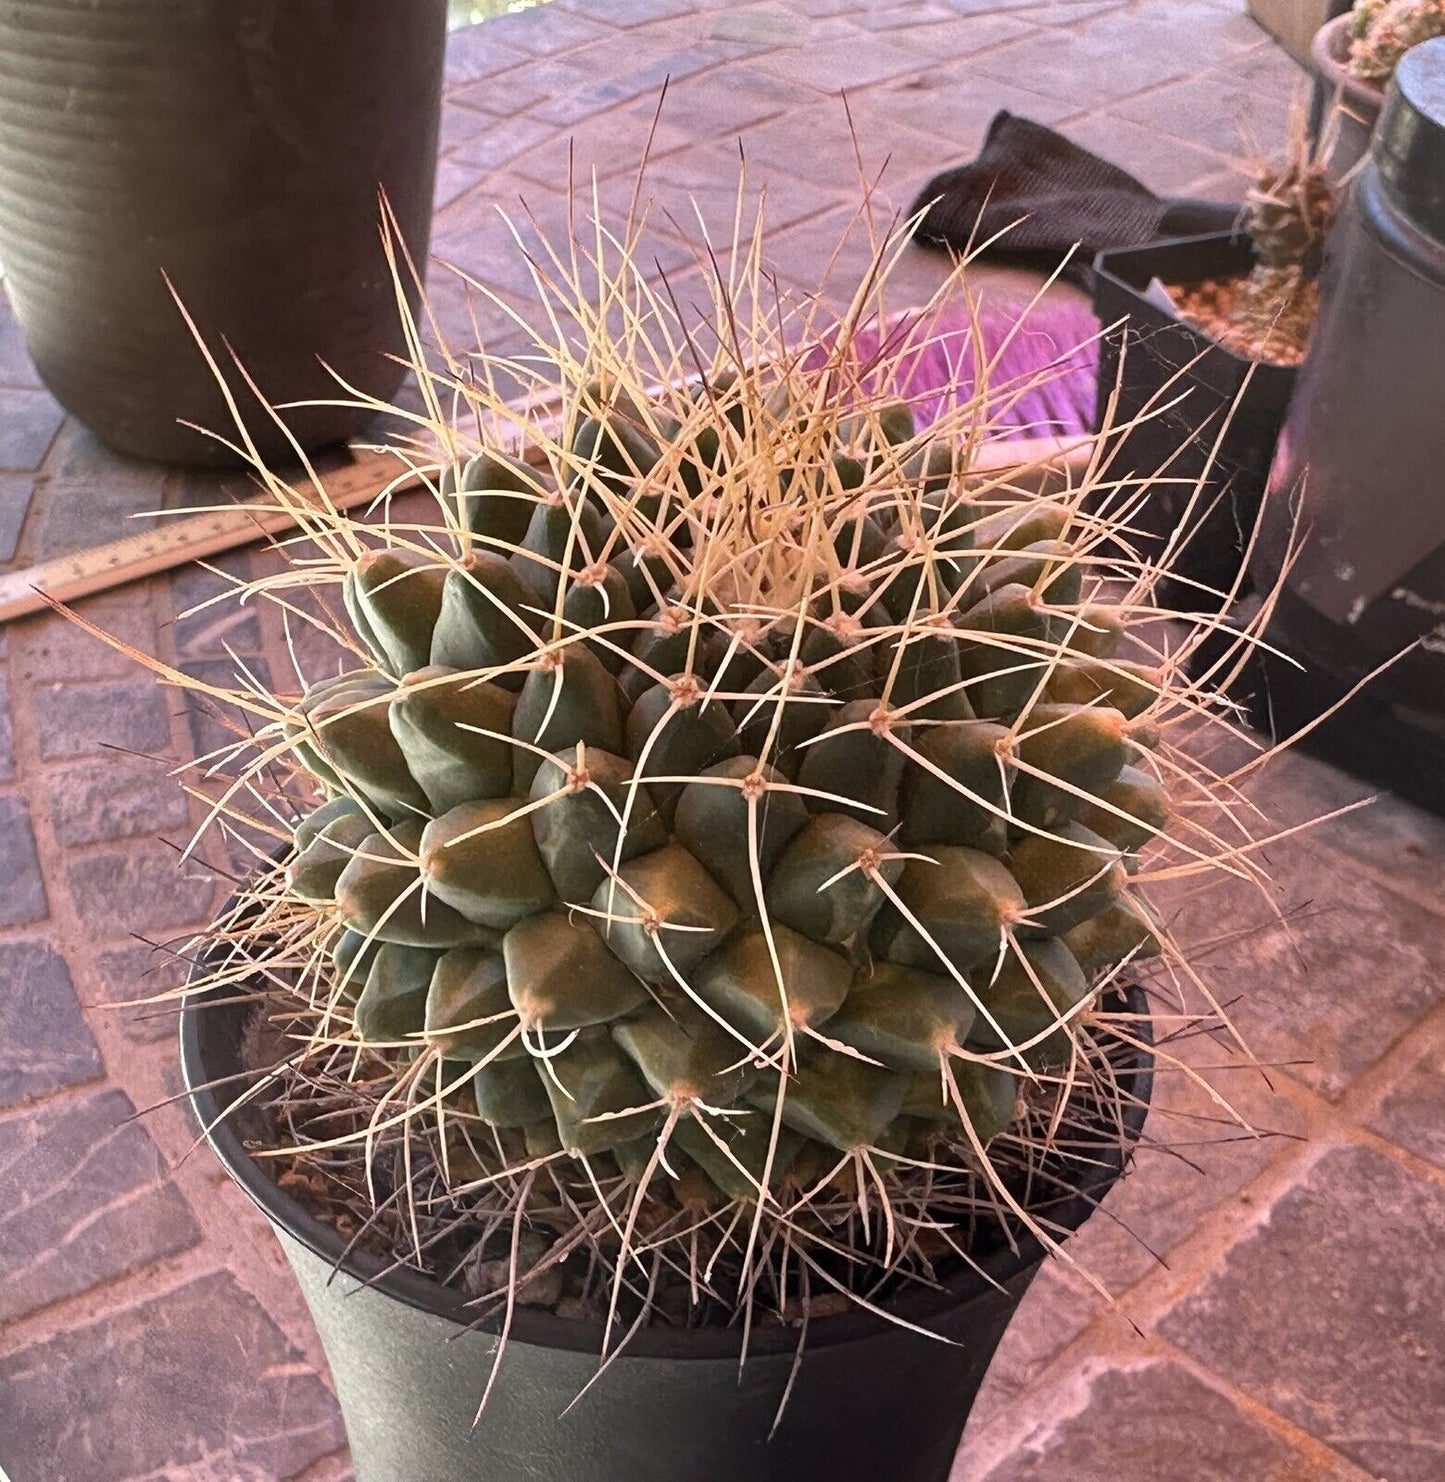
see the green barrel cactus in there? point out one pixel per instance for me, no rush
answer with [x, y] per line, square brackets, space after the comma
[732, 789]
[716, 809]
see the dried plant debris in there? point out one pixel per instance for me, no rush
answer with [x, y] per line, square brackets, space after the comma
[704, 891]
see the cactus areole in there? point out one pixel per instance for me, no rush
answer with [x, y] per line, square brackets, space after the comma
[705, 902]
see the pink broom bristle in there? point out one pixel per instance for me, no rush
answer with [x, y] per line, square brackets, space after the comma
[1020, 343]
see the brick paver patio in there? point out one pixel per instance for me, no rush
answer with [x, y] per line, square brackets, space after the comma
[1279, 1314]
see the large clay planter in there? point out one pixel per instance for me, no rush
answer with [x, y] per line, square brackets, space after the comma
[1359, 102]
[870, 1402]
[237, 147]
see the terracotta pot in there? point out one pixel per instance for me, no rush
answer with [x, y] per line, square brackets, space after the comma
[1359, 102]
[237, 147]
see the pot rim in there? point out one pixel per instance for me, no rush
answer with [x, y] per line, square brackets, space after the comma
[1107, 269]
[1330, 51]
[542, 1329]
[1234, 238]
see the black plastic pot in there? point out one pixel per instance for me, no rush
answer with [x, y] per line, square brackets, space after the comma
[1371, 734]
[1188, 386]
[238, 147]
[871, 1401]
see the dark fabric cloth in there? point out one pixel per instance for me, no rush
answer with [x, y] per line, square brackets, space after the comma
[1044, 197]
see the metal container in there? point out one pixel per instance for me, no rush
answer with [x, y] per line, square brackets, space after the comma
[1361, 464]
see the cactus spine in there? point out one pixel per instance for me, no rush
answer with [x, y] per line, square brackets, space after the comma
[734, 802]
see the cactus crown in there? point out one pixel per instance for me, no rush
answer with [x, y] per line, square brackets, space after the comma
[733, 811]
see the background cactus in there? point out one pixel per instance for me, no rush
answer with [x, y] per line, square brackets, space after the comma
[1290, 207]
[733, 812]
[1269, 313]
[1382, 31]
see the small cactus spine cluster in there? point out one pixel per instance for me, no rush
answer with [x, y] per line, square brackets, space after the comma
[1290, 208]
[731, 791]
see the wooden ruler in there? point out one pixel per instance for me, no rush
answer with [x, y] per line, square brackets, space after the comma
[1043, 463]
[172, 540]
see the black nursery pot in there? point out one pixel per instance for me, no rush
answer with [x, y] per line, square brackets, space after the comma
[1166, 363]
[870, 1401]
[238, 148]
